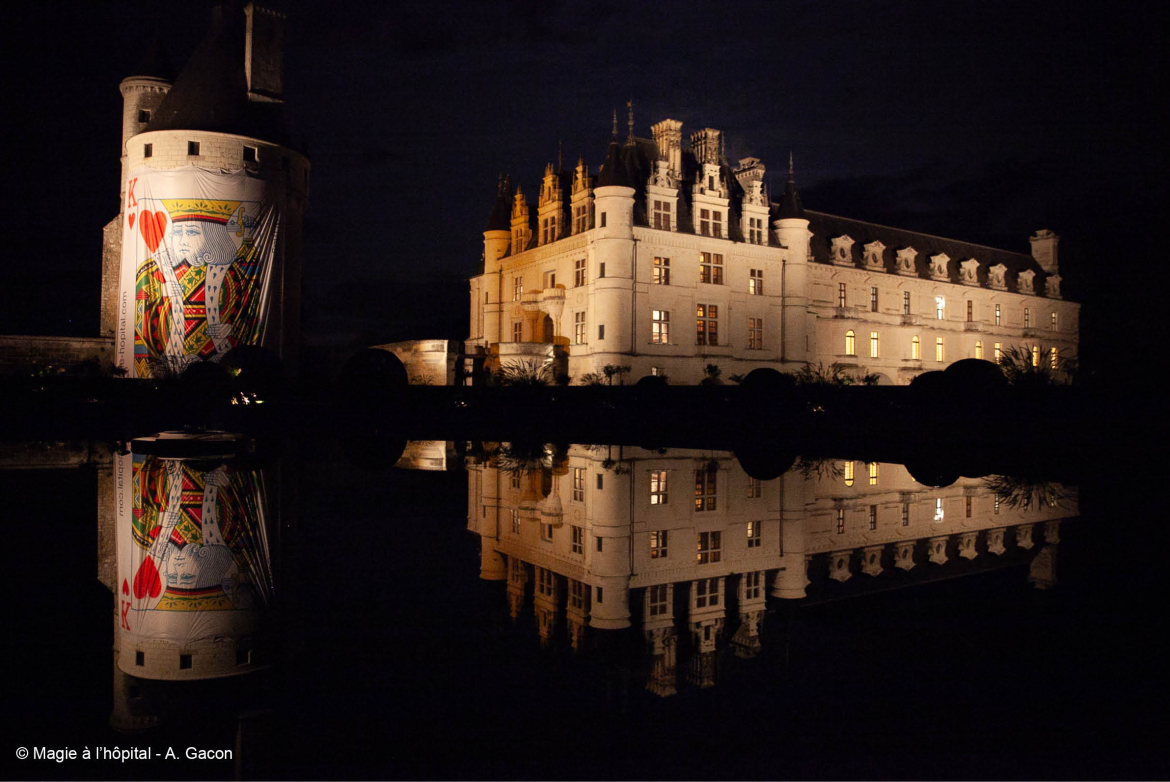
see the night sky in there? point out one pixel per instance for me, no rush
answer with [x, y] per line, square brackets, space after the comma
[982, 121]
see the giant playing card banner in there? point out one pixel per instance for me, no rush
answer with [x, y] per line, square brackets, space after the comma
[193, 555]
[199, 256]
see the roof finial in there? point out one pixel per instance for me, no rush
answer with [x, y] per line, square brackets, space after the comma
[615, 124]
[630, 121]
[560, 157]
[791, 176]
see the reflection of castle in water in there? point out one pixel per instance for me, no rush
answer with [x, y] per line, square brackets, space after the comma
[687, 547]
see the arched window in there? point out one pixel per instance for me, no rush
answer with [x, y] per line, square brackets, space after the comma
[978, 349]
[1035, 355]
[850, 343]
[848, 473]
[916, 348]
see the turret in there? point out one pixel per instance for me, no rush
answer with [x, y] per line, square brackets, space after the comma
[614, 249]
[792, 233]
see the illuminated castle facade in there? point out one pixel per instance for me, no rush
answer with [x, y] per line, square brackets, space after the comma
[687, 547]
[670, 260]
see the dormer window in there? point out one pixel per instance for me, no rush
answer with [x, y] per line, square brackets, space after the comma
[662, 215]
[711, 223]
[874, 255]
[842, 252]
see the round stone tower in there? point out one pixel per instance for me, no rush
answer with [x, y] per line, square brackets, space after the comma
[212, 201]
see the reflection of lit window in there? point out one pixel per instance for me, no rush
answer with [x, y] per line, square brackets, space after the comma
[661, 271]
[1035, 355]
[544, 582]
[1053, 358]
[1053, 322]
[978, 349]
[753, 534]
[515, 522]
[751, 585]
[938, 509]
[997, 505]
[848, 473]
[998, 351]
[705, 488]
[840, 521]
[709, 547]
[905, 514]
[916, 348]
[872, 469]
[657, 599]
[756, 282]
[576, 594]
[872, 517]
[939, 350]
[706, 324]
[658, 545]
[659, 327]
[579, 484]
[578, 540]
[754, 488]
[850, 343]
[706, 592]
[658, 495]
[967, 507]
[874, 349]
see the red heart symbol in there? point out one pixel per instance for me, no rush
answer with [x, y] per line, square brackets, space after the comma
[131, 221]
[125, 587]
[152, 225]
[146, 580]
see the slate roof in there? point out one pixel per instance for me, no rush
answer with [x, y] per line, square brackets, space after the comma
[211, 92]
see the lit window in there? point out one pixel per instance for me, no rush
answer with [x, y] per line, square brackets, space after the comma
[850, 343]
[656, 599]
[905, 302]
[517, 288]
[915, 348]
[658, 545]
[579, 484]
[755, 488]
[872, 470]
[751, 585]
[848, 473]
[938, 509]
[998, 351]
[706, 324]
[1035, 355]
[940, 305]
[578, 272]
[661, 271]
[578, 540]
[753, 534]
[660, 327]
[939, 349]
[755, 334]
[1053, 358]
[192, 147]
[872, 518]
[874, 351]
[873, 299]
[706, 485]
[658, 492]
[978, 349]
[579, 328]
[711, 268]
[707, 591]
[1053, 322]
[710, 547]
[517, 331]
[662, 215]
[840, 294]
[997, 315]
[840, 521]
[756, 282]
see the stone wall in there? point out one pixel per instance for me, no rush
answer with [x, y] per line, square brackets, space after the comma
[18, 354]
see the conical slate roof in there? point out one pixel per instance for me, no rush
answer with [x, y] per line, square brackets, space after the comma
[211, 92]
